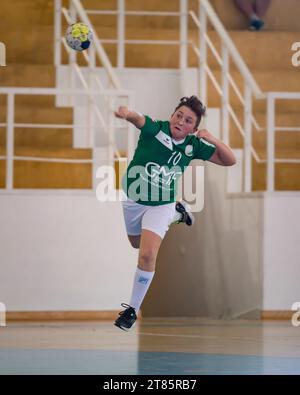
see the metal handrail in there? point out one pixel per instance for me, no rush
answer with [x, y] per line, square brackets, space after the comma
[238, 60]
[98, 46]
[11, 92]
[271, 129]
[220, 62]
[54, 91]
[96, 50]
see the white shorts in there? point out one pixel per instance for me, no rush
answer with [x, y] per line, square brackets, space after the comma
[157, 219]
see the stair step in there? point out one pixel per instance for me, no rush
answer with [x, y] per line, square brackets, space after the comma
[30, 13]
[287, 177]
[34, 47]
[269, 80]
[283, 140]
[167, 56]
[137, 5]
[30, 174]
[39, 138]
[26, 113]
[43, 175]
[273, 52]
[273, 81]
[278, 18]
[288, 153]
[28, 75]
[34, 101]
[42, 137]
[53, 152]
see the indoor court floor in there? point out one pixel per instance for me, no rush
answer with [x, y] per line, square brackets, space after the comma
[153, 347]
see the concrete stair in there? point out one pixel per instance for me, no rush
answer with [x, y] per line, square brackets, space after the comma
[28, 75]
[30, 64]
[40, 137]
[41, 141]
[281, 16]
[31, 174]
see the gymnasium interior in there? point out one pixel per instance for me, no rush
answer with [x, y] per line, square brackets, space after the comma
[225, 299]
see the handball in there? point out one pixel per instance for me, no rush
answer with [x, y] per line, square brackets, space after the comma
[79, 36]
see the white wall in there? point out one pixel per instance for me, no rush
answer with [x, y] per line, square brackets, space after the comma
[281, 250]
[62, 251]
[58, 252]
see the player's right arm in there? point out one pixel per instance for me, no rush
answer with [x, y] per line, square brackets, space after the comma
[138, 120]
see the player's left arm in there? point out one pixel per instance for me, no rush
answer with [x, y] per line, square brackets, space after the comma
[223, 155]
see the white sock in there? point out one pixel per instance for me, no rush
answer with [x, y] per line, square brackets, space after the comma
[177, 215]
[142, 281]
[254, 17]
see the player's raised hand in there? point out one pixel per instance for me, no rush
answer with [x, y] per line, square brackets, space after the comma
[122, 112]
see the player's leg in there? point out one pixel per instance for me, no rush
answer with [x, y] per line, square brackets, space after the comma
[149, 246]
[150, 243]
[249, 9]
[155, 224]
[261, 7]
[133, 214]
[182, 214]
[245, 6]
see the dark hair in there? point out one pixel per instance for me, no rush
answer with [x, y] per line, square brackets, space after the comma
[195, 105]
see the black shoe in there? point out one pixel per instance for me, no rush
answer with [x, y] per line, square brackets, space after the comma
[256, 24]
[127, 318]
[186, 216]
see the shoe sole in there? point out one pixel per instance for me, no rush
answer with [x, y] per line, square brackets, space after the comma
[123, 328]
[192, 219]
[188, 209]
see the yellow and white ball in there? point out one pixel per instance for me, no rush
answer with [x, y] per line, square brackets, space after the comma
[79, 36]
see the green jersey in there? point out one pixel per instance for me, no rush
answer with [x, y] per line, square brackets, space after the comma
[159, 161]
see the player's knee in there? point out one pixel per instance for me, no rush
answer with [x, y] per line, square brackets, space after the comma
[147, 257]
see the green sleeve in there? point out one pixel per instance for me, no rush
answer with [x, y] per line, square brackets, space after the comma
[204, 150]
[151, 128]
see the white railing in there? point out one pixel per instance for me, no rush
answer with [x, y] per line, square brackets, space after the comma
[251, 90]
[121, 40]
[110, 127]
[76, 10]
[96, 51]
[271, 134]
